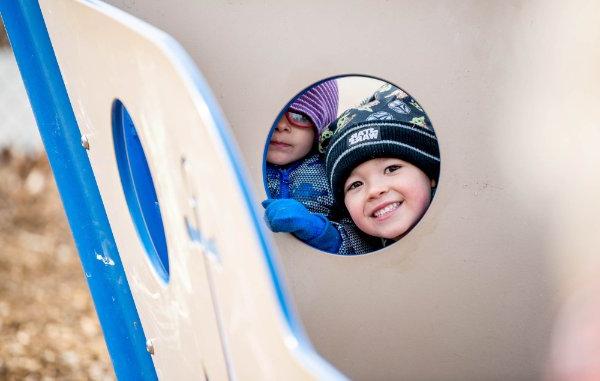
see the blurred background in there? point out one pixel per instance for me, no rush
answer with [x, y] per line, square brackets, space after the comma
[48, 325]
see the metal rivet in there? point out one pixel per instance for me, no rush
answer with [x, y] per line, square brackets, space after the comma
[150, 346]
[85, 143]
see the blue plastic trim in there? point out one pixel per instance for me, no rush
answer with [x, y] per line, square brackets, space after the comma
[139, 190]
[78, 189]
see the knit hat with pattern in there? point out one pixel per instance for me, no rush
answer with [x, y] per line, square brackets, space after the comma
[389, 124]
[319, 103]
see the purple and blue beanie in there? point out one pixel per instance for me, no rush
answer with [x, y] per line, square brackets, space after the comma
[319, 103]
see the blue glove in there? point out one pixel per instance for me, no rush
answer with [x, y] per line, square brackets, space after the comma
[290, 216]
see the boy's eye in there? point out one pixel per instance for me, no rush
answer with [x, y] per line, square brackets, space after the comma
[391, 168]
[298, 119]
[353, 185]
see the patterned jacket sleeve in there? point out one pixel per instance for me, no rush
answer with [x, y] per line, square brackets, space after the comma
[353, 241]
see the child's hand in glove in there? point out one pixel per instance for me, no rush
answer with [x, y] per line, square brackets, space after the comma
[290, 216]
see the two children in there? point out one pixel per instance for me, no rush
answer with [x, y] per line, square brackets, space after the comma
[382, 165]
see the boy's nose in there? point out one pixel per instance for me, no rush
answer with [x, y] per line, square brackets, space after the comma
[283, 125]
[377, 190]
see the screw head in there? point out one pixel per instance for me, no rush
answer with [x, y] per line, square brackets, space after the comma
[85, 143]
[150, 346]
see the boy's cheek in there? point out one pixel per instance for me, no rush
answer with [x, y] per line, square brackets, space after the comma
[354, 206]
[425, 199]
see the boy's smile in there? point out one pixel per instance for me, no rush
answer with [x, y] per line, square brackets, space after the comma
[290, 142]
[385, 210]
[386, 197]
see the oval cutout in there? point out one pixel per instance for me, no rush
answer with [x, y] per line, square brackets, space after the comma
[138, 187]
[335, 143]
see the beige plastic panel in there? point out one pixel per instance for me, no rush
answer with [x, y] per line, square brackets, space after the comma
[105, 54]
[512, 90]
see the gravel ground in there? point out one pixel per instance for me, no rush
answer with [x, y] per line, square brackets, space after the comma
[48, 326]
[3, 37]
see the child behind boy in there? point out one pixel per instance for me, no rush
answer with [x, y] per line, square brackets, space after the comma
[382, 162]
[299, 197]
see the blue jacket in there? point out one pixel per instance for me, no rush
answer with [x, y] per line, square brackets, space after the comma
[303, 180]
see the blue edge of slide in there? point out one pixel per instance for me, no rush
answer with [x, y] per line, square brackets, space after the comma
[108, 285]
[79, 192]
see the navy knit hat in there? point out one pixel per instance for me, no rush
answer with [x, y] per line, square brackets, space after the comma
[319, 103]
[389, 124]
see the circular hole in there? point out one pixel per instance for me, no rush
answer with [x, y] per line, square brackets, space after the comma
[351, 165]
[139, 190]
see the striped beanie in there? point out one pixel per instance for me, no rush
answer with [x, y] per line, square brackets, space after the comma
[319, 103]
[389, 124]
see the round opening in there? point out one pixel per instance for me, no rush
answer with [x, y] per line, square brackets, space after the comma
[351, 165]
[139, 190]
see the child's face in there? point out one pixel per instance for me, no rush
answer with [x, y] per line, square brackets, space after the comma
[386, 197]
[293, 139]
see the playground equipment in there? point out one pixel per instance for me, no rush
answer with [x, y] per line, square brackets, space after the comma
[199, 288]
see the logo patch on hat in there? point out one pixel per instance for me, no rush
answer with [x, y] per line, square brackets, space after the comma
[419, 121]
[371, 133]
[380, 115]
[344, 120]
[368, 106]
[399, 106]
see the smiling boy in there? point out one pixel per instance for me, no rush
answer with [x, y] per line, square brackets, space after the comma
[385, 197]
[382, 162]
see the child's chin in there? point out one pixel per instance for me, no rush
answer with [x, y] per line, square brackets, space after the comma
[394, 234]
[278, 159]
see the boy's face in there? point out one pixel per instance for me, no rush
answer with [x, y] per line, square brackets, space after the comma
[293, 139]
[386, 197]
